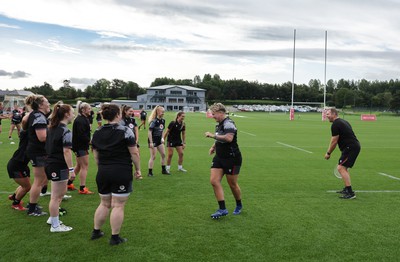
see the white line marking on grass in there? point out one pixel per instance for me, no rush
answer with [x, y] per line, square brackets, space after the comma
[283, 144]
[5, 192]
[250, 134]
[370, 191]
[392, 177]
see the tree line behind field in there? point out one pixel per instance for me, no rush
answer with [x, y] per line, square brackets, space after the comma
[341, 93]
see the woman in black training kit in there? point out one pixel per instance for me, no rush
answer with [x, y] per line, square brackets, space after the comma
[59, 165]
[114, 149]
[227, 160]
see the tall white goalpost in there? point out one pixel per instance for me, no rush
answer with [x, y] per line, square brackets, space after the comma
[326, 54]
[291, 115]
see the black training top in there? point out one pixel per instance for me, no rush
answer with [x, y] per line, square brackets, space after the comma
[343, 129]
[36, 121]
[157, 127]
[175, 129]
[143, 115]
[98, 117]
[225, 149]
[16, 116]
[57, 139]
[91, 116]
[19, 155]
[111, 141]
[80, 133]
[129, 122]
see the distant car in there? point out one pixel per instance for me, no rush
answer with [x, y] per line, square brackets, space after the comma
[95, 104]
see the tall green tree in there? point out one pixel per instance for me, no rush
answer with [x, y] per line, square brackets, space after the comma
[395, 102]
[46, 89]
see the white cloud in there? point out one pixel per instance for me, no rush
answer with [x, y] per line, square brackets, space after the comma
[143, 39]
[9, 26]
[111, 35]
[50, 44]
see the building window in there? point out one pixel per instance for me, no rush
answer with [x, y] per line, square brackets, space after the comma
[176, 92]
[171, 100]
[180, 100]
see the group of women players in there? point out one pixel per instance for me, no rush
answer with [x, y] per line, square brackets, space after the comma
[46, 141]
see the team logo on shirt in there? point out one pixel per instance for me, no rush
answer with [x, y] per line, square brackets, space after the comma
[161, 126]
[131, 126]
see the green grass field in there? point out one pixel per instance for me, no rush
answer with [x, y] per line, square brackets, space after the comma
[289, 213]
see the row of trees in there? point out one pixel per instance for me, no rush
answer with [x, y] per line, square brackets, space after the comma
[101, 89]
[342, 93]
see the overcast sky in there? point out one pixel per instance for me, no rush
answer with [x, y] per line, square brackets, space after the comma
[140, 40]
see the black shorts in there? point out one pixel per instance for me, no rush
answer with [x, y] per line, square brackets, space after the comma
[349, 155]
[57, 172]
[156, 141]
[174, 143]
[38, 161]
[115, 180]
[15, 122]
[17, 169]
[79, 153]
[231, 166]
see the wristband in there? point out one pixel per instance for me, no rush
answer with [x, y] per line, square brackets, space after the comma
[328, 153]
[71, 169]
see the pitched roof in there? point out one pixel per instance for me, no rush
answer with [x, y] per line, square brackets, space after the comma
[19, 93]
[15, 93]
[164, 87]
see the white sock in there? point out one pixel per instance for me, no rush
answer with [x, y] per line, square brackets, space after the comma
[179, 167]
[55, 221]
[168, 168]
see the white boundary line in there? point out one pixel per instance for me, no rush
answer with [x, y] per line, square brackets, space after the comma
[5, 192]
[392, 177]
[369, 191]
[294, 147]
[250, 134]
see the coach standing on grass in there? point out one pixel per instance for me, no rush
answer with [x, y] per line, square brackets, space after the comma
[343, 135]
[227, 160]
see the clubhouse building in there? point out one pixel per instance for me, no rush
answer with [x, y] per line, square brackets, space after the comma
[171, 97]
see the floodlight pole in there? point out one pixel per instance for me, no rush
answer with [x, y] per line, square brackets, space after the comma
[294, 60]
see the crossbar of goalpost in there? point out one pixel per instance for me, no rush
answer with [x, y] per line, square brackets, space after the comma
[309, 103]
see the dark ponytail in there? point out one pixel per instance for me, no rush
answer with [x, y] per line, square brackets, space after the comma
[58, 114]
